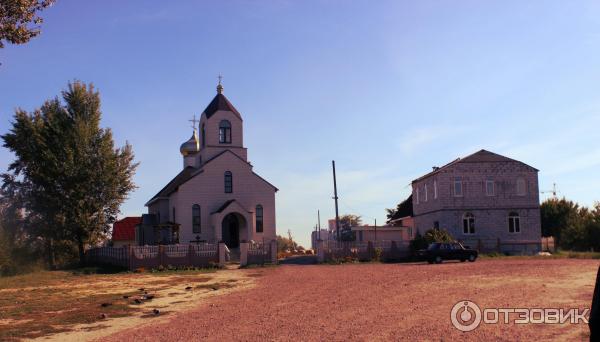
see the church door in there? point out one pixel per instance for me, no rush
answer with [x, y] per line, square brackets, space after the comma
[231, 231]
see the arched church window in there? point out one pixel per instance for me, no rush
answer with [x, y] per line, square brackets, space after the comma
[259, 218]
[228, 182]
[225, 132]
[196, 223]
[203, 132]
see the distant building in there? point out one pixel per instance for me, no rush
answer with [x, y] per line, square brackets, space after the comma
[382, 233]
[482, 198]
[123, 232]
[324, 235]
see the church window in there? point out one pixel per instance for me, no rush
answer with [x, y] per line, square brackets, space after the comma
[196, 219]
[259, 218]
[225, 132]
[228, 182]
[203, 132]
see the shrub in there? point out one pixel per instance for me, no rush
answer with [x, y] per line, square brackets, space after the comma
[378, 254]
[430, 236]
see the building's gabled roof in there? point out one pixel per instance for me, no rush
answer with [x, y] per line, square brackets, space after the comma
[220, 102]
[124, 229]
[482, 156]
[183, 176]
[224, 206]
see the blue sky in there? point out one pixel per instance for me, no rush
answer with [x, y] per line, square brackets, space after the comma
[386, 88]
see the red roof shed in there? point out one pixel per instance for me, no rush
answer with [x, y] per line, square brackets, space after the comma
[124, 229]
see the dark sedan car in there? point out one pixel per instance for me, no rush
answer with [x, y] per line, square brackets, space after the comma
[439, 251]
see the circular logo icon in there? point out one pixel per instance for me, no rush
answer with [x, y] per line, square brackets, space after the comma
[465, 315]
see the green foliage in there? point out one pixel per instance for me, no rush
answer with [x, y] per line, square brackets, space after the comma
[346, 223]
[378, 254]
[430, 236]
[573, 227]
[19, 21]
[403, 209]
[68, 175]
[284, 243]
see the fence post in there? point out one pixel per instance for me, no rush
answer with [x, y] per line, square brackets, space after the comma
[274, 251]
[320, 251]
[243, 253]
[190, 255]
[221, 252]
[161, 250]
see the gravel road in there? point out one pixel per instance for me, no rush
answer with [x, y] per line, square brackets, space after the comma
[383, 302]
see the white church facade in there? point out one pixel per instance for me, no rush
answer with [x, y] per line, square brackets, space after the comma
[217, 196]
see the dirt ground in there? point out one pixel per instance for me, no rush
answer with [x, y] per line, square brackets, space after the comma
[63, 306]
[383, 302]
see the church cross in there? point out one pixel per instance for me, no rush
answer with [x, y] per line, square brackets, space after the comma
[193, 121]
[220, 77]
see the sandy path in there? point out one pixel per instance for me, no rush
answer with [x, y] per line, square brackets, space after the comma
[383, 302]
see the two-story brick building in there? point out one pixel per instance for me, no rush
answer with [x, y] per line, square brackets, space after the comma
[484, 199]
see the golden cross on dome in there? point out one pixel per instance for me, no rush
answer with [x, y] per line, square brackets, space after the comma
[220, 86]
[193, 121]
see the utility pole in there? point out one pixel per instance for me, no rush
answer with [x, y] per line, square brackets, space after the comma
[337, 215]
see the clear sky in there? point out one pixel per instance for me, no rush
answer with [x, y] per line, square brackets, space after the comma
[386, 88]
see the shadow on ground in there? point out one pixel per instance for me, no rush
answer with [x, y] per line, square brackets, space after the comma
[299, 260]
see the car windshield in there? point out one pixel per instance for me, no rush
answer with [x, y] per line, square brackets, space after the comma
[433, 246]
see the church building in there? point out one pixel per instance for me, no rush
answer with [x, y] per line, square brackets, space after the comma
[217, 196]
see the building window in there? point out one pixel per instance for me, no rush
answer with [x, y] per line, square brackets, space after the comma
[225, 132]
[360, 235]
[259, 218]
[514, 223]
[425, 190]
[469, 223]
[203, 132]
[489, 188]
[458, 189]
[196, 223]
[435, 189]
[228, 182]
[436, 225]
[521, 187]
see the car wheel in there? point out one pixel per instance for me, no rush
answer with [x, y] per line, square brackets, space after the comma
[472, 258]
[438, 260]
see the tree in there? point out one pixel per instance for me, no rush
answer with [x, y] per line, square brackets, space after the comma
[346, 223]
[403, 209]
[71, 177]
[19, 20]
[558, 215]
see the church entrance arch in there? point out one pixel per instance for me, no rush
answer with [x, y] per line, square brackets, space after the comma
[230, 229]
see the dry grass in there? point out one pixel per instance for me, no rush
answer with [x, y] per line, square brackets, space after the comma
[46, 303]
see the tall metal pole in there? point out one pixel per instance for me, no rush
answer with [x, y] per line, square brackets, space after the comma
[337, 215]
[319, 220]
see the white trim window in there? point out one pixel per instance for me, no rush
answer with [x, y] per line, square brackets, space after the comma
[489, 188]
[425, 190]
[521, 187]
[468, 223]
[514, 223]
[435, 189]
[458, 188]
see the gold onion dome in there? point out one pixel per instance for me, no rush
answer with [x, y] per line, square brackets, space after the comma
[191, 146]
